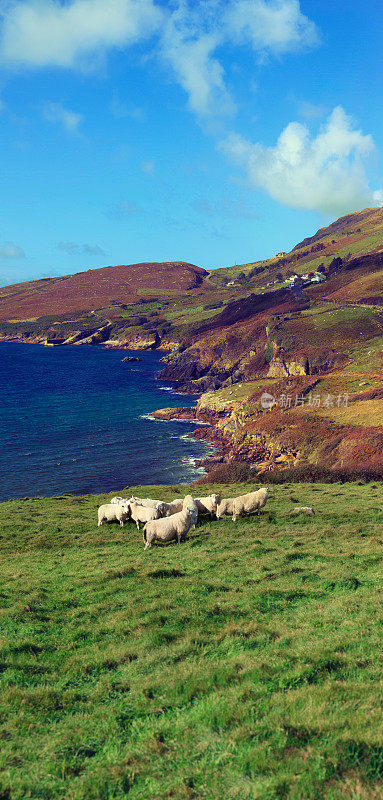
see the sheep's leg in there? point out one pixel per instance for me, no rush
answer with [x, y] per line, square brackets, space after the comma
[179, 538]
[99, 523]
[121, 524]
[138, 525]
[234, 518]
[259, 512]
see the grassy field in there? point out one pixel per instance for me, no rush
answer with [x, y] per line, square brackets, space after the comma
[243, 663]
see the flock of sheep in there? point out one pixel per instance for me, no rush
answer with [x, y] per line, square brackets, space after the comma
[165, 522]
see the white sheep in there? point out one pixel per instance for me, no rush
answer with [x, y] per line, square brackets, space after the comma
[141, 514]
[208, 505]
[119, 500]
[246, 503]
[225, 506]
[112, 512]
[174, 507]
[303, 510]
[165, 530]
[190, 503]
[147, 502]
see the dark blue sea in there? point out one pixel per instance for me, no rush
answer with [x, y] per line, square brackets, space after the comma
[75, 419]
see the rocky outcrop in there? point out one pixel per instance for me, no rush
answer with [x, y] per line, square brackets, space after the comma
[175, 413]
[100, 335]
[281, 368]
[149, 341]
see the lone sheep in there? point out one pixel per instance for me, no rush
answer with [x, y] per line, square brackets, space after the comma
[246, 503]
[165, 530]
[303, 510]
[111, 512]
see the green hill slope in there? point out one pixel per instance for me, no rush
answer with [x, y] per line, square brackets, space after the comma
[242, 663]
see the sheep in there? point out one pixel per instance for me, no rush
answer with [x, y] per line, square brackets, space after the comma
[246, 503]
[303, 510]
[208, 505]
[118, 500]
[112, 512]
[174, 507]
[165, 530]
[147, 502]
[190, 503]
[141, 514]
[225, 506]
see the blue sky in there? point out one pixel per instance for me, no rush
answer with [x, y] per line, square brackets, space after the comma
[214, 132]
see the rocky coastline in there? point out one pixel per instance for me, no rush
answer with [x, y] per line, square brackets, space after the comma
[223, 425]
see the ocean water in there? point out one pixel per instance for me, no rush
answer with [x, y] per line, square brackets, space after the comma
[76, 419]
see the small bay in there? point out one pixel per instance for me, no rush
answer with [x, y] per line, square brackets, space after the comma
[76, 419]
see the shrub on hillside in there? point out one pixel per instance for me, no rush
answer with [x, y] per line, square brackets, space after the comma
[312, 473]
[229, 473]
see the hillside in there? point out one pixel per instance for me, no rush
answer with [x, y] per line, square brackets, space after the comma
[306, 320]
[243, 663]
[98, 288]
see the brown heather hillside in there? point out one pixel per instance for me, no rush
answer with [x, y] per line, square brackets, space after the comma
[97, 288]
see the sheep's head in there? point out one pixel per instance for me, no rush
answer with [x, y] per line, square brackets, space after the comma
[215, 499]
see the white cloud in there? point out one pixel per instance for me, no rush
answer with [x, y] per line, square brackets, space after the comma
[55, 112]
[76, 34]
[195, 31]
[11, 250]
[324, 173]
[43, 33]
[187, 46]
[277, 26]
[75, 249]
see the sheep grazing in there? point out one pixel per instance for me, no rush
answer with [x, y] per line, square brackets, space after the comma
[165, 530]
[208, 505]
[141, 514]
[246, 503]
[190, 503]
[147, 502]
[112, 512]
[225, 507]
[174, 507]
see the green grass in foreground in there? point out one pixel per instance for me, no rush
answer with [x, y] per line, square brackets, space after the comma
[241, 664]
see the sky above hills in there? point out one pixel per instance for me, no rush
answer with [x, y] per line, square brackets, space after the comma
[214, 132]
